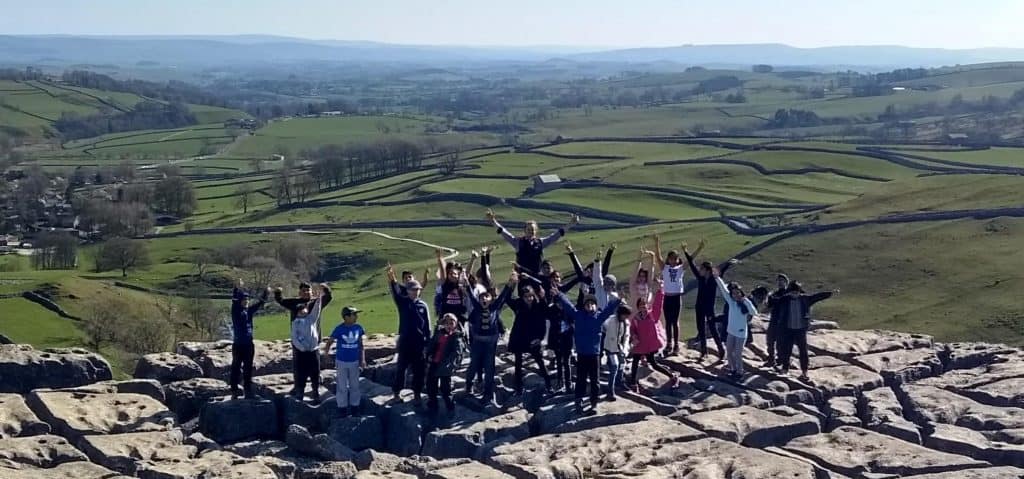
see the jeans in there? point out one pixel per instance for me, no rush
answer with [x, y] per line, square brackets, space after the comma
[539, 359]
[705, 323]
[410, 358]
[790, 338]
[586, 371]
[242, 355]
[772, 339]
[734, 353]
[347, 393]
[481, 358]
[306, 366]
[652, 362]
[615, 362]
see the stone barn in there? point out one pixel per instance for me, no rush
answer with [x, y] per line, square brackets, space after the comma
[542, 183]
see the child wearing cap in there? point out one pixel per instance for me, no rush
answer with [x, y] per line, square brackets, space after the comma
[349, 357]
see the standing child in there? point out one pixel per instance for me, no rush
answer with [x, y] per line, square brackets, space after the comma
[741, 311]
[647, 337]
[348, 359]
[795, 321]
[588, 323]
[486, 328]
[413, 333]
[528, 332]
[305, 334]
[560, 331]
[705, 305]
[672, 272]
[444, 354]
[243, 350]
[616, 344]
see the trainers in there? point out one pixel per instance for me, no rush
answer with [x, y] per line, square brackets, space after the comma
[396, 398]
[610, 398]
[769, 364]
[804, 378]
[235, 393]
[343, 412]
[674, 382]
[353, 411]
[579, 408]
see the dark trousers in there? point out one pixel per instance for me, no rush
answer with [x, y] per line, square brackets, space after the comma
[790, 338]
[586, 372]
[672, 305]
[706, 323]
[563, 370]
[444, 383]
[410, 358]
[306, 366]
[771, 337]
[538, 358]
[242, 355]
[652, 361]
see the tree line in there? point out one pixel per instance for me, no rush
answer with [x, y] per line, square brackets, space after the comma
[172, 91]
[146, 115]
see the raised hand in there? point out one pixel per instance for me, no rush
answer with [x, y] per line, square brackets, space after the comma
[574, 220]
[734, 261]
[491, 216]
[474, 254]
[513, 278]
[703, 243]
[568, 247]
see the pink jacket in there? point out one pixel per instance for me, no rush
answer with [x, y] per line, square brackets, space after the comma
[646, 332]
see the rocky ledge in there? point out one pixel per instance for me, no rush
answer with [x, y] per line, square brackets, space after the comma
[880, 404]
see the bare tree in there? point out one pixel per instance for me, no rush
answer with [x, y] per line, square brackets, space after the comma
[242, 196]
[263, 270]
[123, 254]
[55, 250]
[202, 315]
[101, 320]
[201, 261]
[175, 195]
[304, 185]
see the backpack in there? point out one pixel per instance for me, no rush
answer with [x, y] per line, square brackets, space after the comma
[306, 329]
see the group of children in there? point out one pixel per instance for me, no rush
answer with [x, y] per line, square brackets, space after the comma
[598, 322]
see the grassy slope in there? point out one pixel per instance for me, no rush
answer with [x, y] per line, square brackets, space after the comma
[957, 280]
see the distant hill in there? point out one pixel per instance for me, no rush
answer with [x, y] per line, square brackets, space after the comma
[778, 54]
[59, 50]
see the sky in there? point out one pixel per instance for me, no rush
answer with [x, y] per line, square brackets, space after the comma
[584, 23]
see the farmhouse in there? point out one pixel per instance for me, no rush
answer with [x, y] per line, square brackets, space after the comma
[957, 138]
[542, 183]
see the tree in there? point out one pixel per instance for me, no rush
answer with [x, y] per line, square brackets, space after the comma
[242, 197]
[256, 164]
[202, 316]
[201, 261]
[55, 250]
[263, 270]
[281, 185]
[101, 320]
[123, 254]
[449, 163]
[175, 195]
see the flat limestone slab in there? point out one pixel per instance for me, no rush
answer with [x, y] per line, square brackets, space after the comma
[755, 427]
[987, 473]
[38, 451]
[561, 417]
[213, 464]
[856, 452]
[902, 365]
[959, 440]
[67, 470]
[848, 344]
[16, 419]
[24, 368]
[927, 403]
[75, 414]
[120, 451]
[588, 449]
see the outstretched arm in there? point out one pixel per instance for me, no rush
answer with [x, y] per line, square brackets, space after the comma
[576, 266]
[814, 298]
[440, 264]
[659, 260]
[606, 265]
[597, 276]
[502, 231]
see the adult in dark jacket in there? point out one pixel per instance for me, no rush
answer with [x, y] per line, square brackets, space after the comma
[532, 314]
[486, 328]
[305, 364]
[242, 348]
[774, 307]
[588, 322]
[444, 353]
[530, 247]
[795, 321]
[413, 334]
[707, 294]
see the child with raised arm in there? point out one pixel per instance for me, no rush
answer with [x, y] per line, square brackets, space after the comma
[305, 312]
[444, 353]
[672, 272]
[640, 283]
[615, 344]
[647, 337]
[349, 358]
[741, 311]
[528, 331]
[486, 328]
[588, 322]
[529, 247]
[796, 307]
[707, 293]
[243, 350]
[413, 333]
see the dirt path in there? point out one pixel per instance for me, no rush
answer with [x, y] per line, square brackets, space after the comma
[452, 252]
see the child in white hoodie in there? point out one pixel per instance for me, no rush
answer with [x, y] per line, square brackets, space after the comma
[615, 343]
